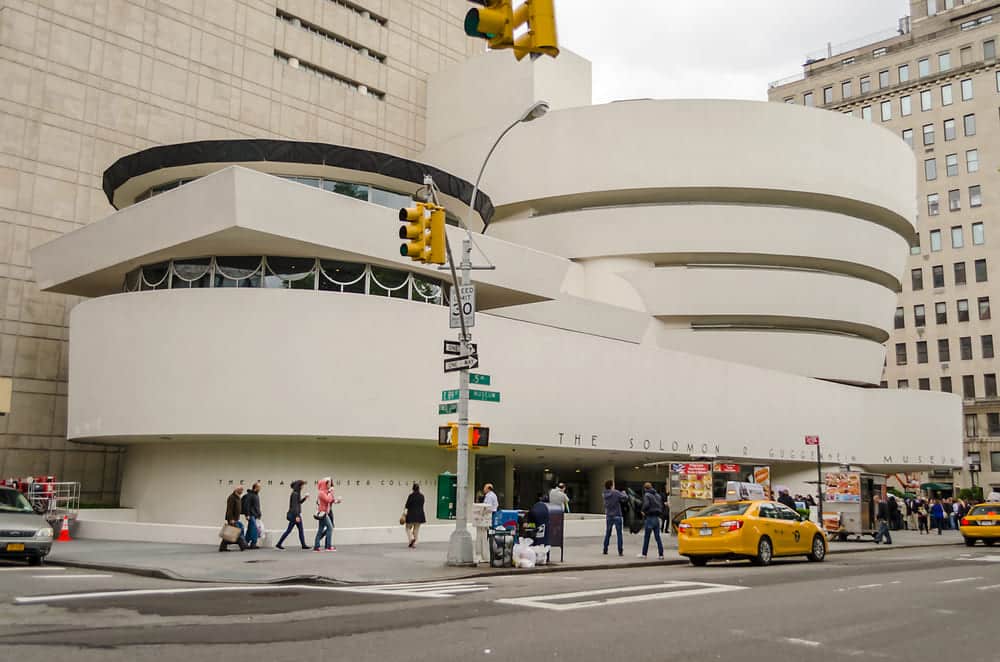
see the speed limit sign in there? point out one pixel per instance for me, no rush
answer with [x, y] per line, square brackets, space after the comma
[464, 305]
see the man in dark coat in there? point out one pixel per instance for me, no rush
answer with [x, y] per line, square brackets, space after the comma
[881, 512]
[233, 511]
[785, 498]
[251, 510]
[414, 514]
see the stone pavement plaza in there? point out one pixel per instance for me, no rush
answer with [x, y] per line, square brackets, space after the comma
[373, 563]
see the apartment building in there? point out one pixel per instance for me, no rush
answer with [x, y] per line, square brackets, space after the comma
[935, 83]
[89, 81]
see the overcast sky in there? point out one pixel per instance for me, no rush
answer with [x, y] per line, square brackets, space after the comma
[709, 48]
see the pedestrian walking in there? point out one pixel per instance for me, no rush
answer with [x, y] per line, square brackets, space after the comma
[413, 515]
[937, 515]
[652, 508]
[251, 510]
[922, 514]
[613, 500]
[881, 511]
[294, 514]
[233, 519]
[558, 497]
[323, 516]
[665, 515]
[785, 498]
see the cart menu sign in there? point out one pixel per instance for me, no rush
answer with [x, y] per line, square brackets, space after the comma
[843, 486]
[726, 467]
[695, 479]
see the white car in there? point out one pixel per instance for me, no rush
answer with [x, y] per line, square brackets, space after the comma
[24, 535]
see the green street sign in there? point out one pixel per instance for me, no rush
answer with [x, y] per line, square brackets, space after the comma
[449, 395]
[479, 379]
[450, 408]
[484, 396]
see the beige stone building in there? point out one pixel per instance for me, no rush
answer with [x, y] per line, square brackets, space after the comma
[935, 83]
[87, 81]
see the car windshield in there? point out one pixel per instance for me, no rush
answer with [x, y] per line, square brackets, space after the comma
[986, 510]
[12, 501]
[724, 509]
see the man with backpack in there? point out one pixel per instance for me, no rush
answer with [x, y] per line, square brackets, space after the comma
[652, 509]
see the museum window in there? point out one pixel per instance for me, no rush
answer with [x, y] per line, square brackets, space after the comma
[921, 351]
[941, 312]
[902, 383]
[935, 236]
[807, 99]
[919, 315]
[981, 275]
[975, 196]
[866, 84]
[954, 200]
[969, 387]
[987, 346]
[899, 321]
[928, 130]
[903, 74]
[965, 348]
[969, 124]
[951, 165]
[944, 350]
[930, 169]
[946, 384]
[883, 79]
[949, 130]
[989, 49]
[944, 61]
[866, 113]
[845, 89]
[984, 308]
[924, 384]
[905, 106]
[972, 160]
[978, 234]
[886, 111]
[993, 429]
[937, 275]
[900, 353]
[908, 137]
[946, 95]
[967, 89]
[925, 100]
[957, 240]
[970, 425]
[962, 306]
[923, 66]
[933, 204]
[828, 94]
[994, 456]
[960, 273]
[917, 279]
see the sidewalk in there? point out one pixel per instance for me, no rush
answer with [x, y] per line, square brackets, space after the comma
[373, 563]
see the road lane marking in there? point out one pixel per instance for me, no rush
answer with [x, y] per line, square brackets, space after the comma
[442, 592]
[868, 586]
[803, 642]
[990, 558]
[28, 568]
[70, 576]
[960, 579]
[987, 588]
[663, 591]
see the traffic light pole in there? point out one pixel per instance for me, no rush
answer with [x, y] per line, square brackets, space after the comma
[460, 544]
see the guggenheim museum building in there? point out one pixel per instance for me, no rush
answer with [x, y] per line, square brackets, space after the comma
[676, 281]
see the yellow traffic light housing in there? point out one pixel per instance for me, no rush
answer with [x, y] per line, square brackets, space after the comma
[416, 232]
[494, 23]
[448, 436]
[438, 239]
[539, 36]
[479, 437]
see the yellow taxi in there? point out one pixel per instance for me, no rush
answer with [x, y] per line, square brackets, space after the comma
[982, 522]
[755, 530]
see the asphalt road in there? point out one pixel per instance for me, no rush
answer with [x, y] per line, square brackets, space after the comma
[912, 604]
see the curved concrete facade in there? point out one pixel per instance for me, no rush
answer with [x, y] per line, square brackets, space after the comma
[826, 238]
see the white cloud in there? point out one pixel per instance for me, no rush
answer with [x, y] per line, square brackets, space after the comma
[709, 48]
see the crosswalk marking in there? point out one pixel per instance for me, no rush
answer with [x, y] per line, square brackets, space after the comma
[989, 558]
[603, 597]
[438, 589]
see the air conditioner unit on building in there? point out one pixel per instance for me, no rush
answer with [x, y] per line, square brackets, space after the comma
[945, 366]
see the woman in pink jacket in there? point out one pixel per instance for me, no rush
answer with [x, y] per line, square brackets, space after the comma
[325, 501]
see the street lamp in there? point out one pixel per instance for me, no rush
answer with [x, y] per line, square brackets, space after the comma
[460, 543]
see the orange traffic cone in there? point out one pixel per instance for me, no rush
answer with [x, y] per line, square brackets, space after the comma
[64, 533]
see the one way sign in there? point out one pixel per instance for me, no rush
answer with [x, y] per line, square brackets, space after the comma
[461, 363]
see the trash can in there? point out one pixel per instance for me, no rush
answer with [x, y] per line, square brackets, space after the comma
[501, 549]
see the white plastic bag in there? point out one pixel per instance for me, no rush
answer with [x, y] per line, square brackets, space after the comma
[261, 532]
[524, 554]
[541, 554]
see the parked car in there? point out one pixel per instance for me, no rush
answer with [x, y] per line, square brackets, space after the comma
[24, 535]
[981, 523]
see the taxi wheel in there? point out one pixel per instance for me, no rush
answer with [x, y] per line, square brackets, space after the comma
[765, 552]
[969, 542]
[989, 543]
[699, 561]
[818, 552]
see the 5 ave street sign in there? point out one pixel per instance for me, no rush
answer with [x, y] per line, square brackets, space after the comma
[454, 347]
[484, 396]
[461, 363]
[464, 304]
[482, 380]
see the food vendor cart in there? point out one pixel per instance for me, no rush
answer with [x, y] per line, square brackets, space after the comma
[847, 503]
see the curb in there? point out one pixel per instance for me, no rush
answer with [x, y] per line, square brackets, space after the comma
[160, 573]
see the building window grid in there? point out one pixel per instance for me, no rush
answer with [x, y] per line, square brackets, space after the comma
[921, 351]
[946, 95]
[937, 276]
[933, 204]
[965, 348]
[917, 279]
[930, 169]
[903, 74]
[949, 130]
[987, 346]
[926, 103]
[954, 200]
[978, 234]
[980, 267]
[975, 196]
[984, 308]
[941, 312]
[966, 86]
[962, 308]
[969, 387]
[900, 353]
[331, 36]
[928, 131]
[969, 124]
[960, 273]
[315, 70]
[935, 236]
[990, 385]
[972, 160]
[919, 315]
[924, 384]
[950, 164]
[828, 94]
[946, 385]
[944, 350]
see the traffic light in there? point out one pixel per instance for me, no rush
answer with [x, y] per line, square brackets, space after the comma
[539, 37]
[448, 436]
[494, 23]
[479, 437]
[416, 231]
[438, 238]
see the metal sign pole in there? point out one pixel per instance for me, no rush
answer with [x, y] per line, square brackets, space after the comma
[460, 543]
[819, 483]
